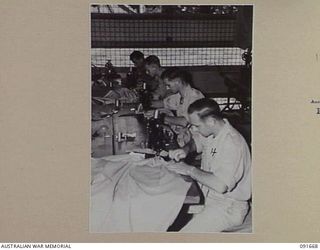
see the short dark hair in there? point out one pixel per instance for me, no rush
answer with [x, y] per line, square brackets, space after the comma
[174, 72]
[206, 108]
[153, 60]
[136, 55]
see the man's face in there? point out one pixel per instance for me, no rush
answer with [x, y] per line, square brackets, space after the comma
[138, 63]
[174, 85]
[203, 127]
[151, 70]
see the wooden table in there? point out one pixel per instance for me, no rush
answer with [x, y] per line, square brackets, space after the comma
[109, 128]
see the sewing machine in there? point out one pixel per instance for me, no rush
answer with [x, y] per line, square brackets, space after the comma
[119, 129]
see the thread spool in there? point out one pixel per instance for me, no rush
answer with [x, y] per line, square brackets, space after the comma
[117, 103]
[156, 114]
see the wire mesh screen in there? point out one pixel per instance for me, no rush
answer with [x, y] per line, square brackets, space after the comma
[178, 39]
[170, 56]
[108, 33]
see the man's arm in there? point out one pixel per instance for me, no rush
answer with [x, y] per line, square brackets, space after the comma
[172, 120]
[157, 104]
[206, 178]
[226, 175]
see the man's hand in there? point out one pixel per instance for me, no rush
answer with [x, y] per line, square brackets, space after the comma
[177, 154]
[180, 168]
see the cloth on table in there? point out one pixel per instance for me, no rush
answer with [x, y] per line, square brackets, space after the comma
[130, 194]
[123, 94]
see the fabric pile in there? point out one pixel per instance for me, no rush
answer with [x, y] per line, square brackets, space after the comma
[123, 94]
[130, 194]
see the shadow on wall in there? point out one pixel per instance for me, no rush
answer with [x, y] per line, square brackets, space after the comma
[209, 82]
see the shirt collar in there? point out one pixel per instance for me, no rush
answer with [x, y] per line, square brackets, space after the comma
[224, 130]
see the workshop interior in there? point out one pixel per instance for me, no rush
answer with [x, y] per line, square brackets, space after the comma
[211, 48]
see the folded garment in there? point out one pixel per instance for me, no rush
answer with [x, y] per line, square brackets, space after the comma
[123, 94]
[130, 194]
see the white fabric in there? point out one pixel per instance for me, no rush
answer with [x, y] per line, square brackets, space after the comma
[133, 195]
[123, 94]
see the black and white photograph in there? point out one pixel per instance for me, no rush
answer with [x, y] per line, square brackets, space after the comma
[171, 118]
[159, 122]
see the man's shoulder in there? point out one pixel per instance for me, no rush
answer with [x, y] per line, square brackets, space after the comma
[231, 136]
[196, 93]
[234, 139]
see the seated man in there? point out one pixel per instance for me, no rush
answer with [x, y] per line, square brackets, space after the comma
[137, 76]
[225, 173]
[179, 83]
[137, 58]
[154, 70]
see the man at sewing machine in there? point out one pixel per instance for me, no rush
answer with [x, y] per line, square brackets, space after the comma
[154, 70]
[179, 83]
[137, 75]
[137, 58]
[225, 173]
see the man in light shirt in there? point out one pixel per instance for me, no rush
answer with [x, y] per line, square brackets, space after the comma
[225, 173]
[179, 83]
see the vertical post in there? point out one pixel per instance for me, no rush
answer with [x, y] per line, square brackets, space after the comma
[113, 137]
[142, 9]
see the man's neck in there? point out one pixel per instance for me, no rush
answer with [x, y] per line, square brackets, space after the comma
[219, 126]
[183, 90]
[159, 72]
